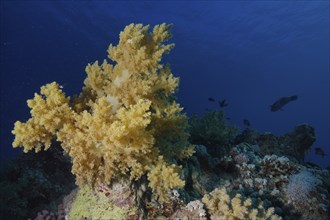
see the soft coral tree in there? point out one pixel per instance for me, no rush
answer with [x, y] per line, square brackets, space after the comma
[124, 124]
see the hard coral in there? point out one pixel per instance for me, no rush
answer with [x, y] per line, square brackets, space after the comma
[222, 206]
[306, 193]
[300, 186]
[124, 120]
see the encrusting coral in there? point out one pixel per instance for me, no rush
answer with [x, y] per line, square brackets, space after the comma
[125, 123]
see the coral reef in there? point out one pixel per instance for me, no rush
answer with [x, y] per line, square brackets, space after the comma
[125, 123]
[127, 141]
[248, 171]
[280, 181]
[293, 144]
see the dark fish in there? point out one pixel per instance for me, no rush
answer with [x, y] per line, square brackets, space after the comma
[223, 103]
[282, 102]
[211, 99]
[246, 122]
[319, 151]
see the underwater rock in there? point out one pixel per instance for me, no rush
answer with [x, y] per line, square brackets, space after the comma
[293, 144]
[29, 185]
[198, 171]
[298, 141]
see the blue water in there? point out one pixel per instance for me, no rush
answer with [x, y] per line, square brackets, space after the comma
[249, 53]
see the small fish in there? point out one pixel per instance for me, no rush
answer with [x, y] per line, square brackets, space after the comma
[281, 102]
[319, 151]
[246, 122]
[61, 86]
[211, 99]
[223, 103]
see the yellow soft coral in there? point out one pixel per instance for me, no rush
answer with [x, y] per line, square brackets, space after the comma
[124, 120]
[49, 112]
[163, 177]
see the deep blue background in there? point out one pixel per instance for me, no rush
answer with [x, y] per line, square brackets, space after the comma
[250, 53]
